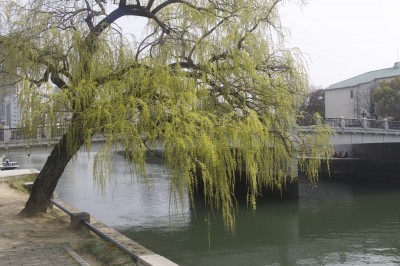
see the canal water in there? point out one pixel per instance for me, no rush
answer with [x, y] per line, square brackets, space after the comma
[334, 223]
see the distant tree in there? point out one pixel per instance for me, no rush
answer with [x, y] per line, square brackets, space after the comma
[312, 105]
[387, 98]
[209, 82]
[366, 103]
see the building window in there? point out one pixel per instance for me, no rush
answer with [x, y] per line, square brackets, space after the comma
[351, 94]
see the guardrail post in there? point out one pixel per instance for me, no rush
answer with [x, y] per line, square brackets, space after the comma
[7, 134]
[342, 122]
[77, 218]
[364, 122]
[385, 124]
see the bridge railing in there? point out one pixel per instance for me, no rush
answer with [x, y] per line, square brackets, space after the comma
[50, 134]
[353, 122]
[394, 125]
[43, 134]
[376, 123]
[356, 123]
[333, 122]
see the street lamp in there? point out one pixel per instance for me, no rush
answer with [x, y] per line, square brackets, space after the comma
[363, 113]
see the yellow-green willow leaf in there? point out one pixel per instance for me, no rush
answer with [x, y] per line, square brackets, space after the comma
[210, 83]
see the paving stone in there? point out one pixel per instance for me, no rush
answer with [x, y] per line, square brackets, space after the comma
[40, 255]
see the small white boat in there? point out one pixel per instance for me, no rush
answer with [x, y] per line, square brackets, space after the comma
[7, 165]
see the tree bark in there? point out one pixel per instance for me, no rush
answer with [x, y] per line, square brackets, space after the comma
[46, 182]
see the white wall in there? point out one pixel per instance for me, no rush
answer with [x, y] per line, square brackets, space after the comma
[338, 103]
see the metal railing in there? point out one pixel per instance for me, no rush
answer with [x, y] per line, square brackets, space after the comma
[394, 125]
[109, 239]
[84, 220]
[42, 134]
[375, 123]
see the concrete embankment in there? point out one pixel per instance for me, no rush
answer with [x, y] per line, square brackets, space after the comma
[359, 170]
[145, 256]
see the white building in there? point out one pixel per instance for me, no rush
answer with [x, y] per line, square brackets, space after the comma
[9, 109]
[351, 98]
[12, 113]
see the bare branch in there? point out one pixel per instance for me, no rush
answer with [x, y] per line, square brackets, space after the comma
[205, 35]
[170, 2]
[150, 4]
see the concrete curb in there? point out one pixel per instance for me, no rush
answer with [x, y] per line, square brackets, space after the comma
[145, 256]
[78, 258]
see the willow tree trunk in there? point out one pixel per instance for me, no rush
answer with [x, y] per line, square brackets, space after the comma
[47, 180]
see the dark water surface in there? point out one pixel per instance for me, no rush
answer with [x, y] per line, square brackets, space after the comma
[332, 224]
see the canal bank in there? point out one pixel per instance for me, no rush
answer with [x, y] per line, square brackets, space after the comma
[41, 240]
[13, 245]
[331, 223]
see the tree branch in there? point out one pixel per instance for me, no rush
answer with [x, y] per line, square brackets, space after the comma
[170, 2]
[206, 34]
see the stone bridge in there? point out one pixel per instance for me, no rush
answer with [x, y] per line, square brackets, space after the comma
[44, 138]
[363, 145]
[362, 131]
[346, 132]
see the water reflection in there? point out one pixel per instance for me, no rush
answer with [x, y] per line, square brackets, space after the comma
[332, 224]
[126, 200]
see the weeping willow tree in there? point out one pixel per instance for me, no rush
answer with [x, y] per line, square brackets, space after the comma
[210, 83]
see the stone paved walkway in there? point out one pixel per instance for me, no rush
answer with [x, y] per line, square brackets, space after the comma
[60, 255]
[41, 240]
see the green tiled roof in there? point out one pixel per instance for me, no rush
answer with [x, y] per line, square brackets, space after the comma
[368, 77]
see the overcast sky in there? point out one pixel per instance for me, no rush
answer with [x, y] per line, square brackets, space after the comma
[344, 38]
[339, 38]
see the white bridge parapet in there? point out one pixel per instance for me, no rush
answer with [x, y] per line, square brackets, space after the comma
[347, 131]
[362, 131]
[45, 137]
